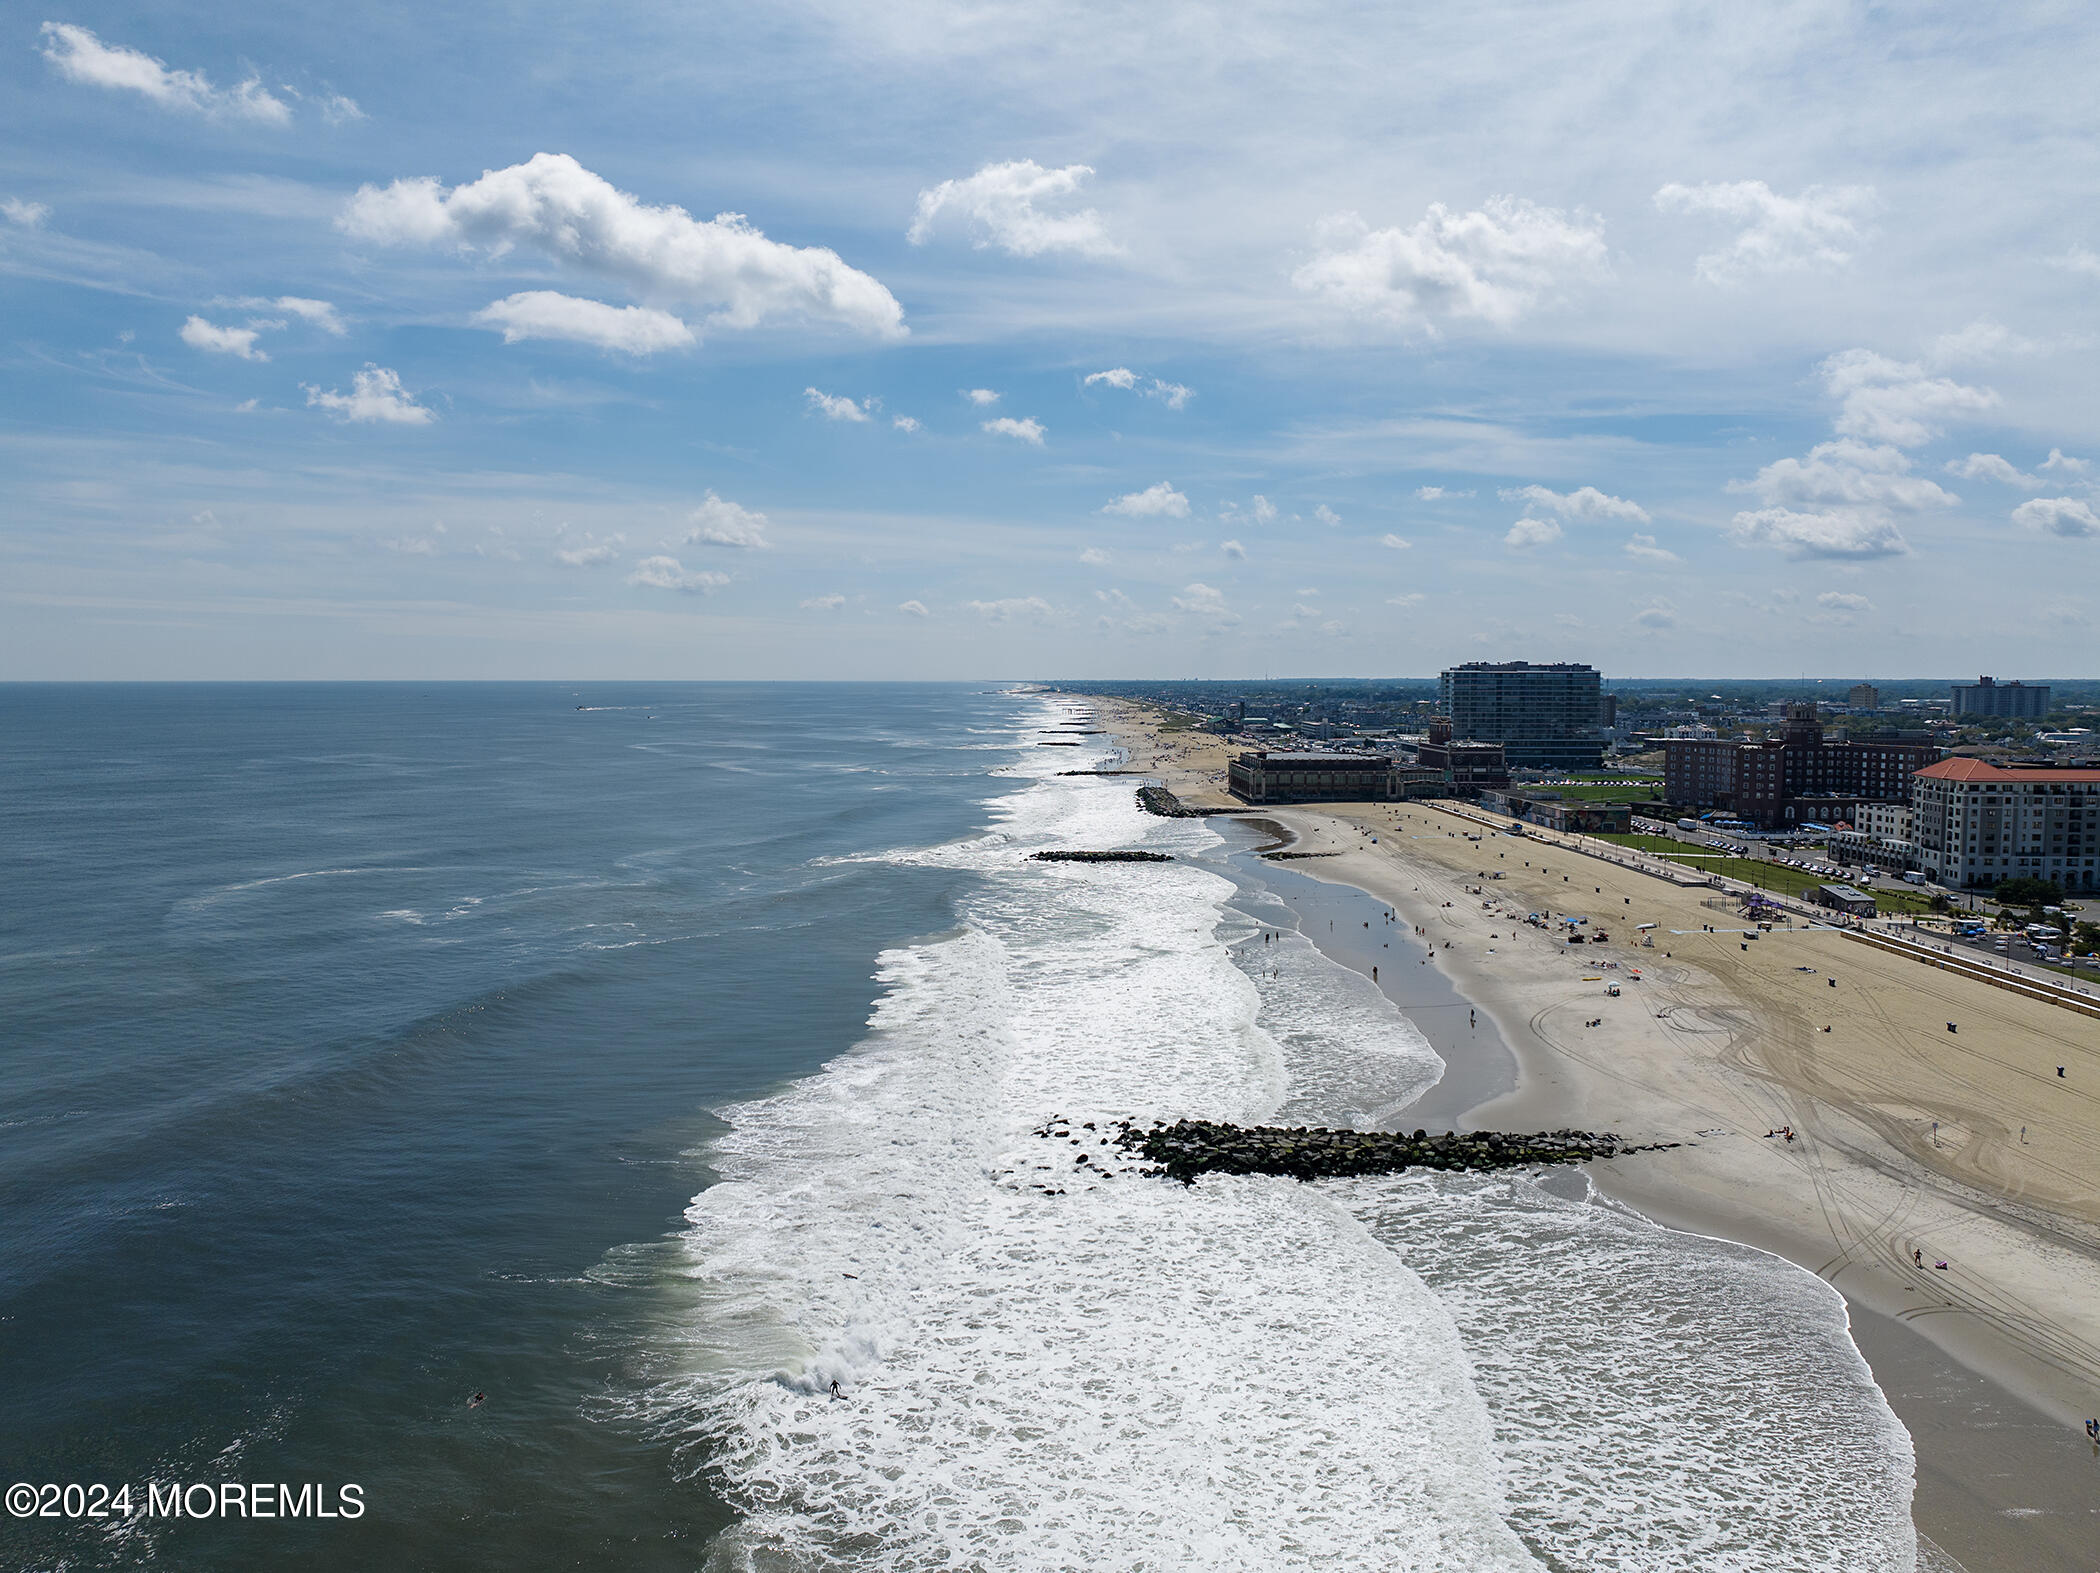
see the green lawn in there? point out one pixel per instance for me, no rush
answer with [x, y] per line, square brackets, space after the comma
[1766, 876]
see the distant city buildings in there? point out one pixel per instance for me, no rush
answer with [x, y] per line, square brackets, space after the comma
[1977, 823]
[1863, 696]
[1548, 717]
[1795, 778]
[1989, 697]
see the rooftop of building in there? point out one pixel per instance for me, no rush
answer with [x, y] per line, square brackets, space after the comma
[1303, 761]
[1964, 769]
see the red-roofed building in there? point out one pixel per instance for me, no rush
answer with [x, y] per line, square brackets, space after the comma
[1976, 823]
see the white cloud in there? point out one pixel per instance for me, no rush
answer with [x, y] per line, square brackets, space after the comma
[553, 203]
[1828, 532]
[1847, 472]
[1094, 557]
[1981, 340]
[1659, 615]
[720, 522]
[1584, 503]
[2058, 516]
[1029, 430]
[999, 204]
[591, 552]
[411, 545]
[1233, 549]
[1414, 598]
[375, 394]
[1815, 230]
[2079, 260]
[1896, 402]
[1154, 502]
[339, 109]
[1437, 493]
[1014, 609]
[1990, 467]
[2061, 463]
[834, 407]
[1644, 548]
[1492, 265]
[1527, 533]
[667, 573]
[823, 603]
[82, 57]
[983, 398]
[905, 423]
[1264, 511]
[1116, 377]
[1397, 543]
[548, 314]
[1843, 601]
[202, 335]
[1173, 394]
[1327, 516]
[1203, 601]
[317, 313]
[913, 609]
[30, 215]
[1312, 619]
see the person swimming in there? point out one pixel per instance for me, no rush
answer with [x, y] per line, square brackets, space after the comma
[477, 1400]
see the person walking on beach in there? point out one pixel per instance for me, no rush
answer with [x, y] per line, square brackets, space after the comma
[1917, 1258]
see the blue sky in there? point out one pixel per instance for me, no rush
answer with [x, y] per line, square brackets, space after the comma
[1156, 339]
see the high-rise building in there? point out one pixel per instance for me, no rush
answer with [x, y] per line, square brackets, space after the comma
[1988, 696]
[1864, 696]
[1977, 823]
[1543, 716]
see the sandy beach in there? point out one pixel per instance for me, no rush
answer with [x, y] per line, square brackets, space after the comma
[1912, 1142]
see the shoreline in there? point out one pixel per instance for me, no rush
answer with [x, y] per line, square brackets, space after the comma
[1989, 1383]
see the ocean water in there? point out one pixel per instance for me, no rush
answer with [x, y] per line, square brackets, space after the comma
[653, 1059]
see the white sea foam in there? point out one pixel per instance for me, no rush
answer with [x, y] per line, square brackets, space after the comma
[1052, 1363]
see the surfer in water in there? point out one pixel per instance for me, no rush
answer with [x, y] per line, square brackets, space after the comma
[477, 1400]
[836, 1395]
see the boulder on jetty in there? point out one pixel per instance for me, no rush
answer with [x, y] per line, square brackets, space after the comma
[1102, 857]
[1189, 1148]
[1158, 800]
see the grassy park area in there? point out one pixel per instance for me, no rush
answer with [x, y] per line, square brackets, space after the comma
[1776, 877]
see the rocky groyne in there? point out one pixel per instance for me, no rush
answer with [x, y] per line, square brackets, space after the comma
[1102, 857]
[1158, 800]
[1189, 1148]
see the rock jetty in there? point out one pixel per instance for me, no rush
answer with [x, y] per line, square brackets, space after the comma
[1102, 857]
[1188, 1148]
[1158, 800]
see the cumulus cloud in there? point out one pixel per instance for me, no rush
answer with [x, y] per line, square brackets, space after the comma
[983, 398]
[411, 545]
[1981, 340]
[1898, 402]
[2058, 516]
[29, 215]
[1658, 615]
[82, 57]
[1644, 548]
[1492, 265]
[1116, 377]
[1818, 230]
[1990, 467]
[1233, 549]
[552, 203]
[1158, 501]
[1828, 532]
[590, 552]
[316, 313]
[834, 407]
[548, 314]
[1584, 503]
[1207, 603]
[823, 603]
[1851, 473]
[1327, 516]
[999, 204]
[1397, 543]
[2079, 260]
[1413, 598]
[1844, 601]
[375, 395]
[2061, 463]
[1173, 395]
[905, 423]
[913, 609]
[1094, 557]
[199, 334]
[1029, 430]
[720, 522]
[1014, 609]
[667, 573]
[1310, 619]
[1528, 532]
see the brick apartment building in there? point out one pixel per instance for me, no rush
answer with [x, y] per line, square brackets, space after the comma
[1793, 778]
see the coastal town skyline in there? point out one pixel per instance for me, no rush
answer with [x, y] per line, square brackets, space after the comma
[945, 344]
